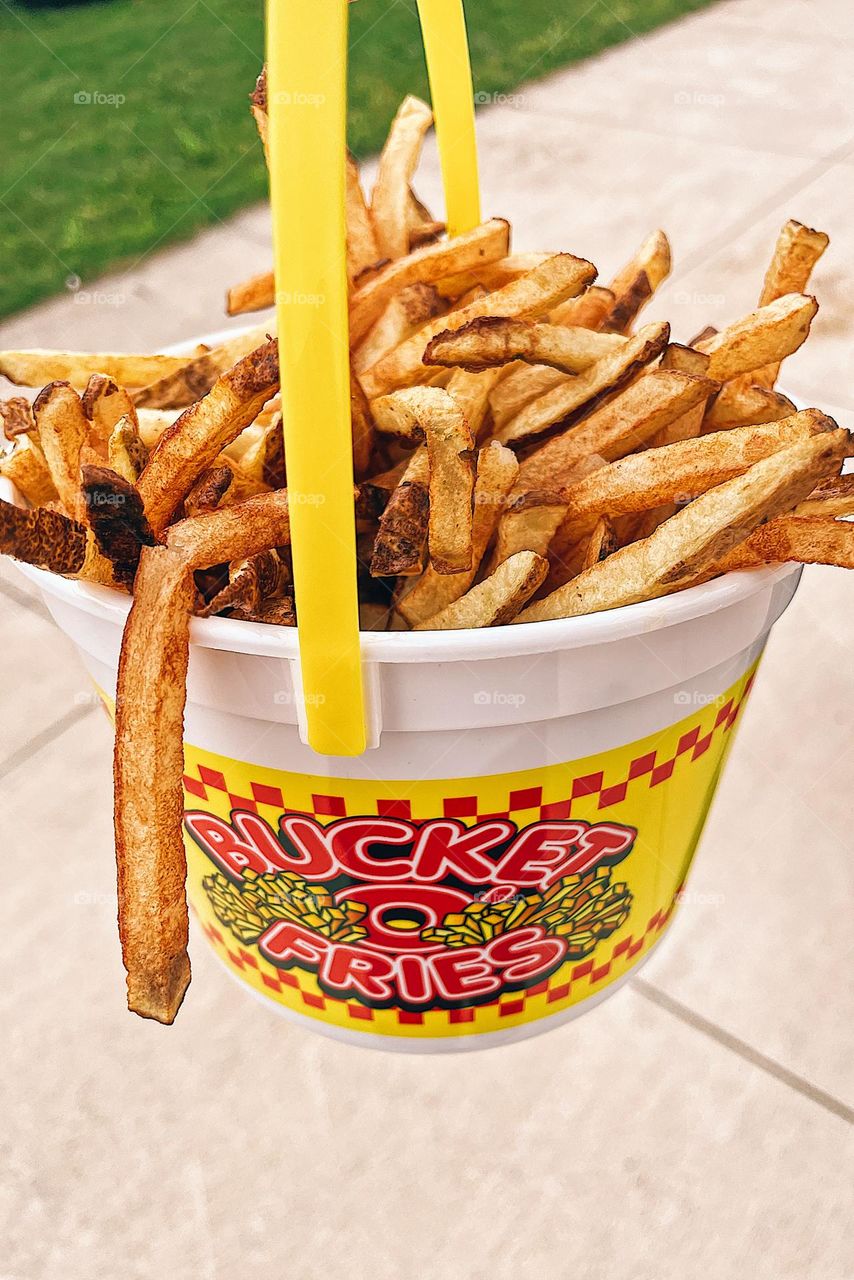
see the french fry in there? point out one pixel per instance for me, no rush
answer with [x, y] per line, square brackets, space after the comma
[390, 197]
[529, 296]
[588, 310]
[258, 106]
[740, 404]
[402, 534]
[833, 497]
[431, 413]
[363, 429]
[36, 367]
[195, 439]
[426, 265]
[26, 469]
[253, 294]
[44, 538]
[363, 250]
[251, 582]
[208, 491]
[626, 422]
[570, 401]
[117, 521]
[494, 340]
[678, 472]
[637, 281]
[698, 535]
[529, 523]
[520, 387]
[432, 592]
[264, 460]
[149, 799]
[278, 612]
[602, 543]
[233, 533]
[764, 337]
[17, 415]
[403, 317]
[62, 431]
[492, 275]
[197, 376]
[105, 403]
[496, 600]
[802, 539]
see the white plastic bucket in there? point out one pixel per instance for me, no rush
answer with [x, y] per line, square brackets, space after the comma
[564, 767]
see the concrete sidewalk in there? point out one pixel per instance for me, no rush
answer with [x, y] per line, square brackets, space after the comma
[697, 1124]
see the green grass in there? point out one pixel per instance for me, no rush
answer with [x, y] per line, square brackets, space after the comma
[90, 185]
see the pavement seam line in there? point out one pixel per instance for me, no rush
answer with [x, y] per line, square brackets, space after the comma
[48, 735]
[743, 1050]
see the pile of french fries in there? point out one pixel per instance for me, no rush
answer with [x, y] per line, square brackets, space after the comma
[523, 450]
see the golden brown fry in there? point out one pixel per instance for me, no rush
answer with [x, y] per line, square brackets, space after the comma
[647, 406]
[493, 340]
[26, 469]
[149, 800]
[390, 198]
[492, 275]
[484, 243]
[698, 535]
[44, 538]
[678, 472]
[251, 582]
[362, 425]
[198, 375]
[804, 539]
[496, 600]
[278, 613]
[105, 403]
[195, 439]
[471, 392]
[233, 533]
[253, 294]
[403, 317]
[431, 413]
[602, 543]
[796, 252]
[602, 380]
[264, 459]
[208, 491]
[497, 469]
[531, 295]
[17, 415]
[363, 251]
[529, 523]
[764, 337]
[62, 431]
[637, 281]
[740, 404]
[834, 497]
[36, 367]
[587, 311]
[258, 106]
[402, 535]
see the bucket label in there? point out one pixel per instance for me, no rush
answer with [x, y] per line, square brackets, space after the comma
[449, 906]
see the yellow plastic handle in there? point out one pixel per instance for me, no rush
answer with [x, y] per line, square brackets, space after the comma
[443, 27]
[306, 88]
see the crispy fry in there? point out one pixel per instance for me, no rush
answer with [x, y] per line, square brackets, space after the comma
[497, 469]
[264, 460]
[251, 582]
[602, 543]
[149, 800]
[637, 281]
[233, 533]
[403, 316]
[494, 340]
[804, 539]
[471, 392]
[431, 413]
[117, 520]
[36, 367]
[587, 311]
[195, 439]
[208, 491]
[278, 613]
[17, 415]
[496, 600]
[484, 243]
[390, 198]
[833, 497]
[198, 375]
[104, 403]
[253, 294]
[402, 534]
[740, 405]
[62, 431]
[796, 252]
[491, 275]
[602, 380]
[26, 469]
[764, 337]
[363, 250]
[698, 535]
[362, 424]
[44, 538]
[530, 522]
[531, 295]
[258, 106]
[635, 415]
[678, 472]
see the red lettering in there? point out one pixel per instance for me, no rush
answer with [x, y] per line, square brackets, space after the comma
[413, 980]
[351, 839]
[221, 843]
[398, 913]
[314, 857]
[463, 973]
[445, 847]
[285, 944]
[538, 851]
[347, 969]
[526, 953]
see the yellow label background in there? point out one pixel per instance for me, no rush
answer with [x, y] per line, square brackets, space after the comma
[662, 785]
